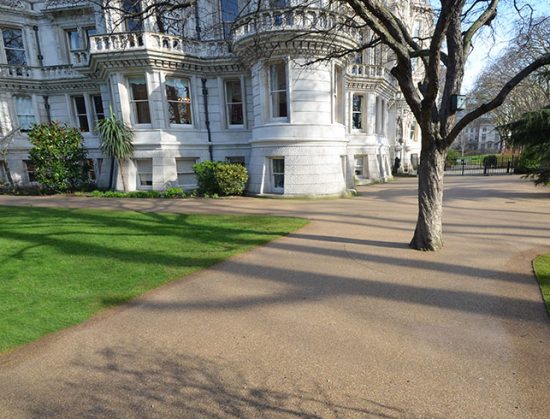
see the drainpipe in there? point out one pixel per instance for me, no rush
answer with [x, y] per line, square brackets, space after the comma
[38, 48]
[197, 23]
[47, 107]
[207, 118]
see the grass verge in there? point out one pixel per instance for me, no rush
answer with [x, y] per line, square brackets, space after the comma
[60, 266]
[541, 265]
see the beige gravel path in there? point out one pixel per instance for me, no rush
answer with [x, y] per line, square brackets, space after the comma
[340, 319]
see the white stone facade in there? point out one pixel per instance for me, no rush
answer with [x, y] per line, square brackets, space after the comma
[192, 92]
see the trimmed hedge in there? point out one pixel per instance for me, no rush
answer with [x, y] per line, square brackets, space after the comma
[220, 178]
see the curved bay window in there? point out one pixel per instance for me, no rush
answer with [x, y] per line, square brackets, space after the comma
[178, 94]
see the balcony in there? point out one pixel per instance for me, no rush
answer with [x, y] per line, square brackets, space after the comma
[20, 72]
[148, 41]
[370, 71]
[60, 5]
[297, 20]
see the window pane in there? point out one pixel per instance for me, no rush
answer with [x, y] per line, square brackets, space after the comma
[138, 86]
[278, 76]
[235, 113]
[15, 57]
[25, 112]
[13, 38]
[143, 116]
[74, 40]
[144, 172]
[278, 165]
[133, 7]
[80, 104]
[179, 101]
[98, 107]
[279, 104]
[233, 91]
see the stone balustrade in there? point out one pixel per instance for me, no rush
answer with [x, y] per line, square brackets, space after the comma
[138, 41]
[38, 73]
[370, 71]
[79, 58]
[297, 19]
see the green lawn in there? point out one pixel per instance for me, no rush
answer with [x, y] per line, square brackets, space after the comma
[60, 266]
[542, 270]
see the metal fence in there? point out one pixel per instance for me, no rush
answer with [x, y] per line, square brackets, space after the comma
[503, 165]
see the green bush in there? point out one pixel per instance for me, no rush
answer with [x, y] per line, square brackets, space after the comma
[452, 156]
[220, 179]
[170, 193]
[490, 161]
[58, 156]
[231, 178]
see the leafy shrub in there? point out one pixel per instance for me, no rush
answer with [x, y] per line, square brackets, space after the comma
[528, 162]
[220, 179]
[231, 178]
[167, 194]
[452, 156]
[58, 156]
[206, 178]
[490, 161]
[171, 193]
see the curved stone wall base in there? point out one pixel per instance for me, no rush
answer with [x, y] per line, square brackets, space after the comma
[309, 169]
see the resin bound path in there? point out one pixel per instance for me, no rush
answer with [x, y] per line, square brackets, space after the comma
[338, 319]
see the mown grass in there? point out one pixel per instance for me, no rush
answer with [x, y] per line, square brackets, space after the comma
[60, 266]
[541, 265]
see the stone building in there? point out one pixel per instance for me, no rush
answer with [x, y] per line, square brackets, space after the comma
[221, 80]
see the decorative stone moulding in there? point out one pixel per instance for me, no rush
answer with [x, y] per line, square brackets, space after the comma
[38, 73]
[15, 4]
[150, 41]
[304, 30]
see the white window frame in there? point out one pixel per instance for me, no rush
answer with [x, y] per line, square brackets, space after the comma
[31, 113]
[133, 102]
[77, 115]
[191, 172]
[272, 92]
[362, 159]
[361, 112]
[190, 103]
[139, 184]
[277, 189]
[4, 55]
[228, 104]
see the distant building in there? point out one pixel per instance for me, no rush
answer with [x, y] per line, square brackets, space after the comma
[222, 80]
[479, 137]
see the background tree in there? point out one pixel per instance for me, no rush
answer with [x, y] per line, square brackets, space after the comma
[532, 132]
[116, 142]
[533, 93]
[58, 156]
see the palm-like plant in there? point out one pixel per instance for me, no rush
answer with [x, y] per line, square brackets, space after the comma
[116, 142]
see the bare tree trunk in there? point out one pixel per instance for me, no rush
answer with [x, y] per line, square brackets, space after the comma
[428, 234]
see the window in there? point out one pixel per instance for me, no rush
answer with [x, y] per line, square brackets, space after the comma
[73, 39]
[278, 86]
[230, 11]
[359, 165]
[337, 92]
[170, 22]
[139, 100]
[30, 170]
[132, 15]
[98, 107]
[81, 114]
[14, 48]
[278, 173]
[91, 170]
[144, 173]
[234, 102]
[357, 111]
[186, 174]
[25, 112]
[179, 101]
[412, 132]
[235, 160]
